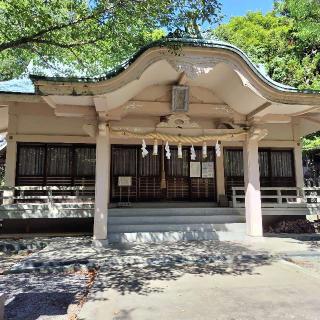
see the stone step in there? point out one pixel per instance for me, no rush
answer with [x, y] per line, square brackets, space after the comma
[179, 219]
[174, 236]
[129, 228]
[47, 214]
[45, 206]
[126, 212]
[168, 204]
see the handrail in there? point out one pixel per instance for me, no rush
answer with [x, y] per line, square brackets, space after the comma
[9, 195]
[301, 197]
[43, 188]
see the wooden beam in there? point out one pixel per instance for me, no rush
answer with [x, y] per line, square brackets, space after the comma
[4, 98]
[311, 119]
[48, 100]
[183, 79]
[276, 118]
[53, 138]
[158, 108]
[257, 110]
[74, 111]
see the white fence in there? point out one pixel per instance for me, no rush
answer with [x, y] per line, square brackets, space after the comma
[47, 194]
[283, 197]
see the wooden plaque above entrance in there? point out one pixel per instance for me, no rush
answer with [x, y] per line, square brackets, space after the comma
[180, 99]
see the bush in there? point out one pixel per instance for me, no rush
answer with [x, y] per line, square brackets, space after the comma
[292, 226]
[1, 176]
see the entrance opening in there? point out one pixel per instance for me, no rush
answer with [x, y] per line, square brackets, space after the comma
[155, 178]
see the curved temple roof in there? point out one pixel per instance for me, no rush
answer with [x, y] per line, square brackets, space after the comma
[218, 68]
[24, 86]
[175, 43]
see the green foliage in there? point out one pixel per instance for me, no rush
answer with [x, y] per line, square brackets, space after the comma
[311, 142]
[262, 36]
[273, 41]
[88, 37]
[286, 41]
[2, 172]
[306, 19]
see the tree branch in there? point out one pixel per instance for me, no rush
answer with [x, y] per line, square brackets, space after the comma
[65, 45]
[26, 39]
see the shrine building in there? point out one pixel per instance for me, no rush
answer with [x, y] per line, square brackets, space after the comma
[195, 144]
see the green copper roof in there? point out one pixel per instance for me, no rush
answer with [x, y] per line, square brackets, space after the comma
[174, 43]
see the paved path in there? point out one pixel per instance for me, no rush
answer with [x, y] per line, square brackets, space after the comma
[185, 280]
[275, 291]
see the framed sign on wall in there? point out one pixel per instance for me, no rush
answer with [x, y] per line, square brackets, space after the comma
[195, 170]
[207, 170]
[124, 181]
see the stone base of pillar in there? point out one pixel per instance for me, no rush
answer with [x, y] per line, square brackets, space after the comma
[256, 236]
[100, 243]
[2, 301]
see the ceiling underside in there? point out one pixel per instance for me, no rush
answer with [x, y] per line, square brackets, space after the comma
[225, 82]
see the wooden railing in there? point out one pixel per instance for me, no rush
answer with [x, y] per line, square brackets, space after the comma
[46, 194]
[280, 197]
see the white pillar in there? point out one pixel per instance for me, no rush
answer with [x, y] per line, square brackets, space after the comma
[10, 170]
[103, 152]
[220, 174]
[252, 187]
[298, 165]
[11, 162]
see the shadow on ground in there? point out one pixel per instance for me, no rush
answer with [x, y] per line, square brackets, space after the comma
[137, 265]
[124, 268]
[32, 295]
[35, 305]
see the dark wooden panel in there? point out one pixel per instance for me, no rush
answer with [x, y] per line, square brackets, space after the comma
[148, 179]
[124, 194]
[203, 189]
[149, 188]
[178, 188]
[276, 168]
[56, 165]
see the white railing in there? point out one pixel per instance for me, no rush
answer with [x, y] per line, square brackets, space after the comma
[45, 194]
[280, 196]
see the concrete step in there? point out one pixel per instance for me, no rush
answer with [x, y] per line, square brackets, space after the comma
[174, 236]
[45, 206]
[169, 204]
[179, 219]
[45, 210]
[129, 228]
[126, 212]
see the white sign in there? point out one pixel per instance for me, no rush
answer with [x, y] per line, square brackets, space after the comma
[195, 170]
[124, 181]
[207, 170]
[3, 143]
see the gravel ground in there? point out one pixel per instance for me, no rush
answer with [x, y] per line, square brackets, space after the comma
[54, 296]
[12, 251]
[40, 296]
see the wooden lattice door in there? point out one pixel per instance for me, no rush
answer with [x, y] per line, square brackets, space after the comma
[146, 174]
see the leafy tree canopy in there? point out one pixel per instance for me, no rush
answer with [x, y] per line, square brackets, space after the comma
[90, 36]
[311, 142]
[286, 41]
[306, 18]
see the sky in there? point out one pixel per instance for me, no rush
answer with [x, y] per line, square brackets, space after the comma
[232, 8]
